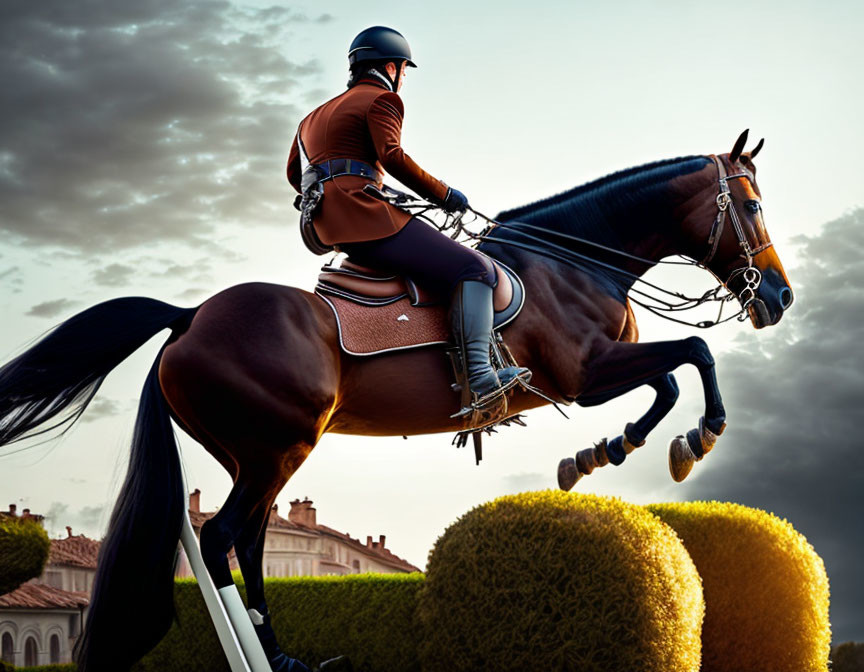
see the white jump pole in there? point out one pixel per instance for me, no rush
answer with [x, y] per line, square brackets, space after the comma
[232, 622]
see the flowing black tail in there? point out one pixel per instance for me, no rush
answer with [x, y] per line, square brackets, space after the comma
[132, 602]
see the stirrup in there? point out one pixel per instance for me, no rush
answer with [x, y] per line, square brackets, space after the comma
[488, 402]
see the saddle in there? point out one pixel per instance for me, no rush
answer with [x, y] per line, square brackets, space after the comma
[378, 312]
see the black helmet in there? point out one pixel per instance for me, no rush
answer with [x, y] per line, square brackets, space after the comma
[380, 43]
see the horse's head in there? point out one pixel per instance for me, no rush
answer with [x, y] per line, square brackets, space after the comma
[740, 252]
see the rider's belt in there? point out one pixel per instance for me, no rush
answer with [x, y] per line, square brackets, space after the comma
[327, 170]
[312, 186]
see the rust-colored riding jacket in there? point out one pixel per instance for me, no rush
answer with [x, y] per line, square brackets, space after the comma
[363, 123]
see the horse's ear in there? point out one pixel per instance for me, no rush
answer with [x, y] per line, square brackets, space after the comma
[739, 146]
[757, 148]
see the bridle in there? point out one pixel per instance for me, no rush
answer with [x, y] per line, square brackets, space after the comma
[749, 275]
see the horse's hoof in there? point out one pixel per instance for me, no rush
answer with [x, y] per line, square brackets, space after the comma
[568, 474]
[681, 458]
[337, 664]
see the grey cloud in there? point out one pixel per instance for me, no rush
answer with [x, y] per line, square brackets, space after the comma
[51, 308]
[126, 123]
[794, 397]
[193, 294]
[86, 520]
[12, 279]
[527, 481]
[113, 275]
[101, 408]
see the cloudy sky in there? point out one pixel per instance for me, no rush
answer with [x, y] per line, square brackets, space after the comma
[142, 150]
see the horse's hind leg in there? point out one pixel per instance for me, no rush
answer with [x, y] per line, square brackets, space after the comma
[241, 523]
[249, 548]
[626, 366]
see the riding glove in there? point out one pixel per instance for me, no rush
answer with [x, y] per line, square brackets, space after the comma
[455, 201]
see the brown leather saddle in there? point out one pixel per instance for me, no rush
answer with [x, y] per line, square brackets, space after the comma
[379, 312]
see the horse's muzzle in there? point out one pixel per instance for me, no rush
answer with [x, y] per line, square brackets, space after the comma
[773, 296]
[759, 315]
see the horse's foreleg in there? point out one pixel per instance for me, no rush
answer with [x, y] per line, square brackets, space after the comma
[626, 366]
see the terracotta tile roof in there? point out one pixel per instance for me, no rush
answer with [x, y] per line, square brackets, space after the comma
[74, 551]
[40, 596]
[381, 554]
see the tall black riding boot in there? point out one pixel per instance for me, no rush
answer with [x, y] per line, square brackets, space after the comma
[471, 319]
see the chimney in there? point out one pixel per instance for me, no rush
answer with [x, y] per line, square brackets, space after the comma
[369, 541]
[26, 513]
[68, 531]
[195, 501]
[303, 513]
[12, 509]
[381, 540]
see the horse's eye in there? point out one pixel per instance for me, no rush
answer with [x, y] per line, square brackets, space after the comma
[752, 205]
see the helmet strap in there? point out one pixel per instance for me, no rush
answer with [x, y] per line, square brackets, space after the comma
[398, 65]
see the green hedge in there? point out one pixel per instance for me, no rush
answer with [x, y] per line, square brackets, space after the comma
[368, 617]
[24, 548]
[847, 657]
[560, 581]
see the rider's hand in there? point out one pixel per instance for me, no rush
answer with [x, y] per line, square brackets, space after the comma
[455, 201]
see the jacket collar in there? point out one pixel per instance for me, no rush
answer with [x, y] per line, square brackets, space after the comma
[371, 79]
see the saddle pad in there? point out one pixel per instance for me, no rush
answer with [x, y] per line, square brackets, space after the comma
[369, 330]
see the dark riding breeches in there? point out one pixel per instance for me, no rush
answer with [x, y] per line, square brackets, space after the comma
[430, 258]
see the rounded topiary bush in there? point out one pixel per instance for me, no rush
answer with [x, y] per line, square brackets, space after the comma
[558, 581]
[24, 548]
[766, 590]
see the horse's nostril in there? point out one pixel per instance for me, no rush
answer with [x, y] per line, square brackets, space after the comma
[786, 297]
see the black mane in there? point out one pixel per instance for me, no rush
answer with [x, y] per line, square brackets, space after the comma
[616, 211]
[599, 209]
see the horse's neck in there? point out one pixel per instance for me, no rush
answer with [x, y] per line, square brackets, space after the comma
[647, 223]
[643, 214]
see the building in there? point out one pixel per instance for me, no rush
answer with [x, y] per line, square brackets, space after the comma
[300, 546]
[40, 620]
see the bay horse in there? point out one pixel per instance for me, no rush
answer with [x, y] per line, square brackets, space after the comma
[256, 374]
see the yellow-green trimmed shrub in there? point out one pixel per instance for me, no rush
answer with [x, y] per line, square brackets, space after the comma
[368, 617]
[766, 590]
[558, 581]
[24, 548]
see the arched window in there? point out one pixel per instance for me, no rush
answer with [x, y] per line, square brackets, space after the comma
[31, 652]
[8, 648]
[54, 647]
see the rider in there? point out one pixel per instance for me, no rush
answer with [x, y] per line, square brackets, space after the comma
[348, 142]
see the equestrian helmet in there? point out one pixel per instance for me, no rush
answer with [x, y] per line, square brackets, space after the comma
[380, 43]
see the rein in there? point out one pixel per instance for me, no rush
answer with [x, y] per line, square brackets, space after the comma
[538, 244]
